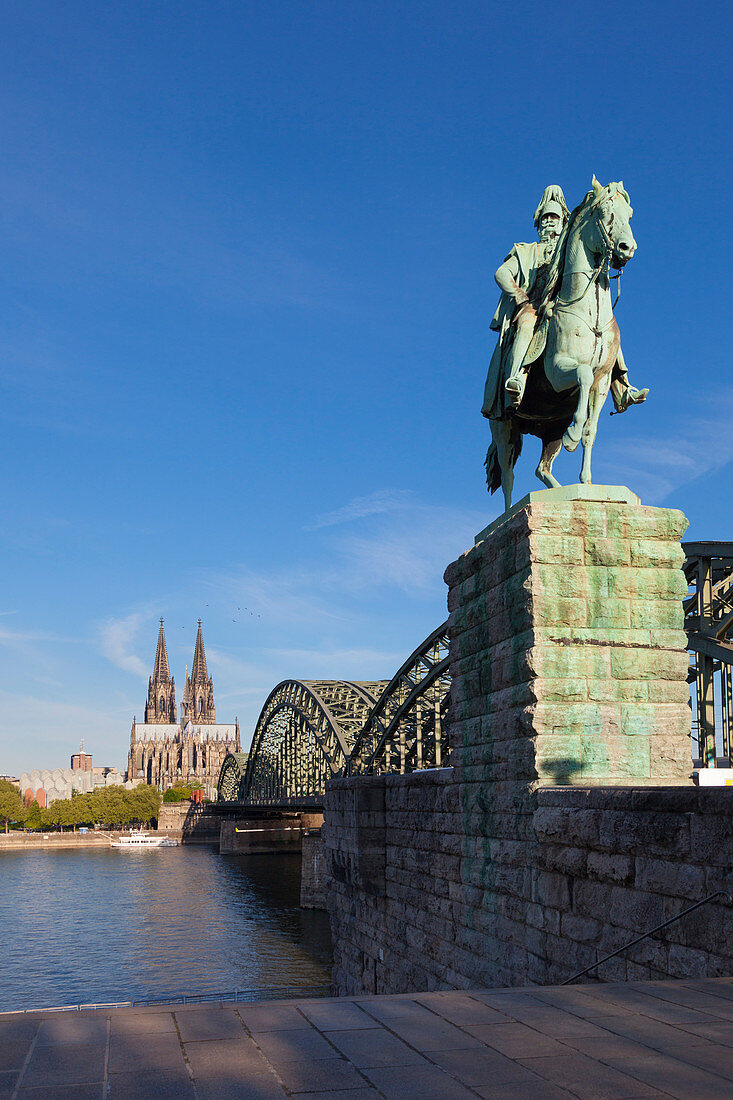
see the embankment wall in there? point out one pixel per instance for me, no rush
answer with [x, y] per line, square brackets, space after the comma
[428, 891]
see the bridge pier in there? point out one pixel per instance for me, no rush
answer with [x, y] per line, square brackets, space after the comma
[568, 823]
[268, 832]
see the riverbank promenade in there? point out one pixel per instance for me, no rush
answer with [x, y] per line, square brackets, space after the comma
[598, 1042]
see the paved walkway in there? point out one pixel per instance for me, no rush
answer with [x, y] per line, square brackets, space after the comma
[645, 1039]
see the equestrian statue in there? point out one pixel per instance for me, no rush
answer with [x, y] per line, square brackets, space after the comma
[559, 350]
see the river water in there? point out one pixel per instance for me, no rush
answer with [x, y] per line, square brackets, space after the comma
[88, 926]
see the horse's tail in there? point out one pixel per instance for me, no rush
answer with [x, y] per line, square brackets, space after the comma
[492, 463]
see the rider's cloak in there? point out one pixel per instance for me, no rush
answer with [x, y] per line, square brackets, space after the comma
[529, 258]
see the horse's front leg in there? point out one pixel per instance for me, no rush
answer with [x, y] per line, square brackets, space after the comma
[598, 396]
[574, 431]
[550, 451]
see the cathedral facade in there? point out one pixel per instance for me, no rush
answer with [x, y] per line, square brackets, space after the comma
[166, 751]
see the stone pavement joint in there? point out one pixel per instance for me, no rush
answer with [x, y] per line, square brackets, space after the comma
[594, 1042]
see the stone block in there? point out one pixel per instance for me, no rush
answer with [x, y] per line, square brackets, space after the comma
[608, 552]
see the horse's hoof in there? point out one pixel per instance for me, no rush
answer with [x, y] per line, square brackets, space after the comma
[569, 442]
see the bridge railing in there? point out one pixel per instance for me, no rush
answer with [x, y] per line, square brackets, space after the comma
[709, 625]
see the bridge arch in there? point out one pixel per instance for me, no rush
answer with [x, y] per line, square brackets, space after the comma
[304, 737]
[231, 777]
[407, 730]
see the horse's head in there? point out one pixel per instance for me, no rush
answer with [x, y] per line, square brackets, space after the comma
[610, 214]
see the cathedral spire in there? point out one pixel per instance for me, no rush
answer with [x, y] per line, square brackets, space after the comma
[198, 668]
[161, 672]
[198, 693]
[161, 705]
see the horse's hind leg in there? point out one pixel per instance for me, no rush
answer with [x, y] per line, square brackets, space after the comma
[550, 450]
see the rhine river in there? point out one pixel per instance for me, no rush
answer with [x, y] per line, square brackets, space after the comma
[90, 926]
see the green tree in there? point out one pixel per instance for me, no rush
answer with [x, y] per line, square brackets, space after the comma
[12, 807]
[34, 817]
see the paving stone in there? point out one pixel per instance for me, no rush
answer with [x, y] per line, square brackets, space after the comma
[335, 1016]
[7, 1084]
[655, 1034]
[13, 1054]
[365, 1093]
[155, 1055]
[394, 1008]
[674, 1078]
[516, 1040]
[65, 1092]
[588, 1079]
[65, 1064]
[272, 1017]
[289, 1046]
[713, 1033]
[72, 1028]
[375, 1047]
[533, 1089]
[581, 1004]
[679, 994]
[426, 1082]
[204, 1024]
[153, 1023]
[720, 1063]
[141, 1086]
[655, 1007]
[21, 1029]
[433, 1034]
[251, 1088]
[557, 1023]
[473, 1067]
[461, 1009]
[314, 1075]
[225, 1058]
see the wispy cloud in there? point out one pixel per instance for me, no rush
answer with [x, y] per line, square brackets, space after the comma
[699, 444]
[386, 500]
[117, 637]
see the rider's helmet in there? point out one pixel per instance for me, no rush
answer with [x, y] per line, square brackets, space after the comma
[552, 202]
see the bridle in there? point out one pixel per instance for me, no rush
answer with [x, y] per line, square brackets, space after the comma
[603, 266]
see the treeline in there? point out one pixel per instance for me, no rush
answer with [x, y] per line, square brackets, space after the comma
[107, 806]
[180, 793]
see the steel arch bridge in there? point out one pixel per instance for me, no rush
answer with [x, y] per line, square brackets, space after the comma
[310, 731]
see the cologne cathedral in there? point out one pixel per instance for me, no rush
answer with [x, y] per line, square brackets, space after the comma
[165, 751]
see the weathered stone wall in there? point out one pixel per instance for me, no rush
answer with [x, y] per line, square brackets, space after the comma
[424, 895]
[568, 653]
[192, 823]
[569, 668]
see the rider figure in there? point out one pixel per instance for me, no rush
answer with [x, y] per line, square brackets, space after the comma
[522, 279]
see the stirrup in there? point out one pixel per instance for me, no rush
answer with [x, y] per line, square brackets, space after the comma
[514, 390]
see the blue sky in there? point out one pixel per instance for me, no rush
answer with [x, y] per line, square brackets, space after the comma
[248, 255]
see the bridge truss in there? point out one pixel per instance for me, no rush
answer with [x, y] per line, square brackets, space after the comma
[310, 731]
[709, 624]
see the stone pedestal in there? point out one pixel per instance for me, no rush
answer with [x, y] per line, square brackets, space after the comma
[568, 654]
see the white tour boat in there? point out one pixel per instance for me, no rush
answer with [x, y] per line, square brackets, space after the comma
[131, 841]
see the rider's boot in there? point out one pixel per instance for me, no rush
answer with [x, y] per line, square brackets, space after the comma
[514, 388]
[632, 396]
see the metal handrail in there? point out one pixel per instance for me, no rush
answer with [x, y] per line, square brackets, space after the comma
[651, 932]
[273, 993]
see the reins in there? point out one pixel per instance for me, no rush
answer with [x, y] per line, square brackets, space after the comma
[602, 268]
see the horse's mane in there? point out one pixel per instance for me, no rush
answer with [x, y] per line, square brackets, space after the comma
[557, 263]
